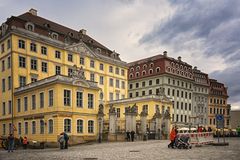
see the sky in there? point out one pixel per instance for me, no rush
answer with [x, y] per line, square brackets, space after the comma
[205, 33]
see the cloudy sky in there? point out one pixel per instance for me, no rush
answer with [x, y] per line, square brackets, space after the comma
[204, 32]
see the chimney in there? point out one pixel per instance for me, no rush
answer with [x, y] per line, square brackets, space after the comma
[179, 58]
[83, 31]
[33, 11]
[195, 68]
[165, 53]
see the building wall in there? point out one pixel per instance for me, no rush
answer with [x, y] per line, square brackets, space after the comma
[235, 119]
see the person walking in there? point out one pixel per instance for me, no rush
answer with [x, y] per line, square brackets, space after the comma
[10, 142]
[25, 142]
[61, 141]
[172, 138]
[66, 138]
[128, 135]
[132, 135]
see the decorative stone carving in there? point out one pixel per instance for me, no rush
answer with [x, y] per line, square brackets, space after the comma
[128, 109]
[78, 73]
[100, 110]
[157, 113]
[167, 114]
[134, 108]
[112, 109]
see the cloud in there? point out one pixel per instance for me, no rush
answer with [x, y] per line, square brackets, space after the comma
[206, 33]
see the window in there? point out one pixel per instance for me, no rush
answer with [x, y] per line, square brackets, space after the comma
[50, 98]
[42, 127]
[22, 81]
[117, 96]
[9, 107]
[2, 47]
[70, 57]
[143, 93]
[30, 27]
[90, 100]
[18, 105]
[177, 105]
[158, 70]
[22, 62]
[186, 106]
[79, 99]
[67, 125]
[33, 127]
[173, 92]
[150, 82]
[130, 86]
[67, 97]
[70, 72]
[122, 72]
[110, 96]
[150, 71]
[9, 62]
[169, 91]
[8, 44]
[92, 77]
[118, 112]
[41, 100]
[145, 108]
[101, 80]
[19, 128]
[101, 66]
[130, 95]
[92, 64]
[182, 94]
[3, 85]
[111, 69]
[50, 126]
[33, 102]
[182, 105]
[117, 70]
[21, 44]
[33, 47]
[4, 108]
[117, 83]
[111, 82]
[123, 85]
[82, 61]
[44, 50]
[143, 84]
[186, 94]
[58, 54]
[79, 126]
[157, 81]
[26, 128]
[190, 96]
[25, 103]
[33, 64]
[58, 70]
[143, 73]
[54, 36]
[3, 65]
[90, 126]
[150, 92]
[44, 67]
[190, 107]
[33, 79]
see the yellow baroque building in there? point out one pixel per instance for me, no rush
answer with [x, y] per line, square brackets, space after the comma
[38, 58]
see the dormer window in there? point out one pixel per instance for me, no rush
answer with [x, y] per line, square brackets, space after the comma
[143, 73]
[150, 71]
[132, 69]
[70, 34]
[151, 65]
[99, 50]
[131, 75]
[138, 68]
[158, 69]
[29, 26]
[137, 74]
[54, 36]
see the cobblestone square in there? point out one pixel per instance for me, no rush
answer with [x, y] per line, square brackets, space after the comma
[149, 150]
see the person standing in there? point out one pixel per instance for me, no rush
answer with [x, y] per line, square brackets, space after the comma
[66, 138]
[25, 142]
[10, 142]
[128, 135]
[132, 135]
[172, 138]
[61, 141]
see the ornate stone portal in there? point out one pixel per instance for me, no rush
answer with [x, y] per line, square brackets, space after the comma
[130, 115]
[112, 120]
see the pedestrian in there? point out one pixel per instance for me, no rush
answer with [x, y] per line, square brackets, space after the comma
[132, 135]
[172, 137]
[209, 129]
[21, 141]
[25, 142]
[238, 131]
[10, 142]
[66, 138]
[128, 135]
[61, 141]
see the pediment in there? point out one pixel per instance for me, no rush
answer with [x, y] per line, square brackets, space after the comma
[81, 83]
[82, 49]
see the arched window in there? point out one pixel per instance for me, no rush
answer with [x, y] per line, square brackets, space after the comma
[150, 71]
[54, 36]
[172, 64]
[50, 126]
[144, 66]
[181, 67]
[79, 126]
[131, 75]
[29, 26]
[41, 126]
[67, 125]
[151, 65]
[158, 69]
[90, 126]
[168, 69]
[177, 66]
[132, 69]
[137, 74]
[143, 73]
[137, 68]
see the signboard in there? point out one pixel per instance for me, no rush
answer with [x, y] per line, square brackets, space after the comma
[220, 121]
